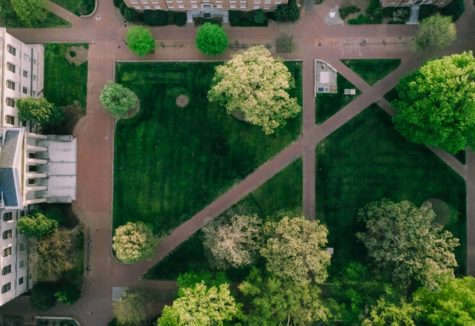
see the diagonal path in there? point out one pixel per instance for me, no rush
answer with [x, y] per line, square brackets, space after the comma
[61, 12]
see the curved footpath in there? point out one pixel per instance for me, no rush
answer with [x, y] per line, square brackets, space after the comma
[105, 30]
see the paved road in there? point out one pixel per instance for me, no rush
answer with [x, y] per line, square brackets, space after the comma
[104, 31]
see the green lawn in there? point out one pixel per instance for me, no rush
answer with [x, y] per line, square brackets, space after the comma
[281, 193]
[8, 18]
[367, 160]
[78, 7]
[171, 162]
[372, 70]
[329, 104]
[65, 82]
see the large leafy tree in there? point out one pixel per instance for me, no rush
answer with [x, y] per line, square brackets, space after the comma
[435, 32]
[388, 313]
[254, 86]
[275, 301]
[51, 256]
[233, 243]
[436, 105]
[133, 242]
[38, 110]
[136, 306]
[37, 225]
[118, 100]
[296, 250]
[404, 241]
[140, 40]
[30, 11]
[201, 306]
[452, 304]
[211, 39]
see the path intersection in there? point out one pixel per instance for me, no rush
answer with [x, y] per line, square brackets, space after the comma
[104, 31]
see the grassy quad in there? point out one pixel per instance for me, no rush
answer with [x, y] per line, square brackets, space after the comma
[170, 162]
[78, 7]
[329, 104]
[367, 160]
[372, 70]
[281, 193]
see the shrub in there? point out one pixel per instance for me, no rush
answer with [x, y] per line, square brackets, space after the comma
[155, 17]
[348, 10]
[179, 18]
[38, 110]
[133, 242]
[140, 41]
[117, 99]
[130, 14]
[454, 9]
[259, 17]
[68, 293]
[284, 43]
[289, 12]
[36, 225]
[211, 39]
[42, 296]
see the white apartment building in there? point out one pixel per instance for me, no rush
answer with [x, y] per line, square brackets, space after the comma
[21, 74]
[34, 168]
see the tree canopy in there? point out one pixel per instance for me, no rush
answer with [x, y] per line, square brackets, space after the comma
[435, 32]
[36, 225]
[436, 105]
[118, 100]
[133, 242]
[254, 85]
[211, 39]
[452, 304]
[38, 110]
[140, 40]
[30, 11]
[201, 306]
[136, 307]
[296, 250]
[275, 301]
[404, 241]
[233, 243]
[388, 313]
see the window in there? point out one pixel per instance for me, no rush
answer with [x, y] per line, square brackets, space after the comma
[7, 270]
[25, 90]
[20, 281]
[34, 62]
[34, 77]
[25, 73]
[7, 216]
[11, 67]
[7, 252]
[11, 84]
[7, 234]
[10, 119]
[21, 264]
[22, 247]
[31, 181]
[10, 102]
[11, 49]
[26, 57]
[6, 287]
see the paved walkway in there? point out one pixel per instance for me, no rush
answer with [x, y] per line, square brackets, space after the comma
[104, 31]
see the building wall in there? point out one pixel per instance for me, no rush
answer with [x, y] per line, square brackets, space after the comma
[22, 67]
[407, 3]
[14, 266]
[184, 5]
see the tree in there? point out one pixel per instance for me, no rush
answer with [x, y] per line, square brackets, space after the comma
[38, 110]
[42, 296]
[275, 301]
[211, 39]
[201, 306]
[233, 244]
[118, 100]
[452, 304]
[259, 17]
[190, 279]
[436, 105]
[255, 85]
[288, 12]
[435, 32]
[404, 241]
[133, 242]
[135, 307]
[387, 313]
[140, 41]
[296, 250]
[36, 225]
[52, 256]
[68, 293]
[30, 11]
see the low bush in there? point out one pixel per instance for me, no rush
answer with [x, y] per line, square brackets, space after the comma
[348, 10]
[151, 17]
[373, 15]
[212, 20]
[248, 18]
[454, 9]
[284, 43]
[42, 295]
[289, 12]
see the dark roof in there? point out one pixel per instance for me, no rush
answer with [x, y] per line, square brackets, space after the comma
[9, 148]
[7, 186]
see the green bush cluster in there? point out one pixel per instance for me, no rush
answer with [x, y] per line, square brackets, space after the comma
[151, 17]
[454, 9]
[289, 12]
[249, 18]
[348, 10]
[44, 295]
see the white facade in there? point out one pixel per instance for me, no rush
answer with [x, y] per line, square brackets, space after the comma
[21, 75]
